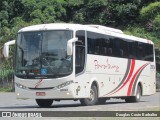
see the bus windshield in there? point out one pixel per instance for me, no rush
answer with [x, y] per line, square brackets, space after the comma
[43, 54]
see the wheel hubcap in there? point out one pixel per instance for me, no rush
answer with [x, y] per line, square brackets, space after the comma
[138, 94]
[91, 95]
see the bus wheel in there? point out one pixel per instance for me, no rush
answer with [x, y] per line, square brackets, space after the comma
[101, 101]
[135, 98]
[93, 97]
[44, 102]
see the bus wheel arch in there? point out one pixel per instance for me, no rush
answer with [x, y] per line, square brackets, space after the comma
[92, 100]
[94, 83]
[141, 87]
[137, 96]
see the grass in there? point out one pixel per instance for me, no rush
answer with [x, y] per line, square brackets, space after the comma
[7, 89]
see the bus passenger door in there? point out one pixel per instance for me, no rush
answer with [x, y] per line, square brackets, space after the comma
[80, 52]
[80, 85]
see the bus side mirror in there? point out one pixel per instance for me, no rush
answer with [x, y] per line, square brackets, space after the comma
[6, 51]
[6, 48]
[70, 45]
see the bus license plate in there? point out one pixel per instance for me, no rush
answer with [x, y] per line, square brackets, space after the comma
[40, 93]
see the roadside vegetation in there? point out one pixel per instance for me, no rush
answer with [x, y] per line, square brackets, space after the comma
[7, 89]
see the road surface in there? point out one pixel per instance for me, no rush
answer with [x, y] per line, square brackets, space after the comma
[9, 102]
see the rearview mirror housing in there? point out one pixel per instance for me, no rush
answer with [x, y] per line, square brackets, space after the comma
[70, 45]
[6, 48]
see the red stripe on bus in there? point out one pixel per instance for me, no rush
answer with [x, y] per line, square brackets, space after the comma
[124, 78]
[133, 79]
[38, 83]
[129, 76]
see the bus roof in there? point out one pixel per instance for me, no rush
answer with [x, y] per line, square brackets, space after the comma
[93, 28]
[52, 26]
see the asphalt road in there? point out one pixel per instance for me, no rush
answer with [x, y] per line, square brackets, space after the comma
[8, 102]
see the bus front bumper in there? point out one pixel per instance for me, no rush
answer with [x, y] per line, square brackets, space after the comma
[64, 93]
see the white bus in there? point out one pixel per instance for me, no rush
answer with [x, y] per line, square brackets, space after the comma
[90, 63]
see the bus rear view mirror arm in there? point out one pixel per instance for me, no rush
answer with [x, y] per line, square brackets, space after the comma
[6, 48]
[70, 45]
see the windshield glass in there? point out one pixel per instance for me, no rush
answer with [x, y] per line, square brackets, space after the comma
[43, 54]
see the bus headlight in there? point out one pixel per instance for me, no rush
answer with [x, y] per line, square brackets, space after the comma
[64, 84]
[20, 86]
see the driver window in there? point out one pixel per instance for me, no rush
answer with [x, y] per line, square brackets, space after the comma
[80, 51]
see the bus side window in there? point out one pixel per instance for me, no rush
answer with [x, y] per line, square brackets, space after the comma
[132, 50]
[104, 44]
[91, 42]
[104, 50]
[121, 53]
[110, 46]
[140, 52]
[110, 51]
[124, 48]
[98, 48]
[117, 47]
[80, 51]
[149, 52]
[97, 51]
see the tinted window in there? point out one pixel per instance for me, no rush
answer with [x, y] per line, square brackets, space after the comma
[149, 52]
[107, 46]
[80, 51]
[100, 44]
[140, 51]
[132, 49]
[91, 42]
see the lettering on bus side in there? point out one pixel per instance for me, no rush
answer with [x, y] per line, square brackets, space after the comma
[107, 65]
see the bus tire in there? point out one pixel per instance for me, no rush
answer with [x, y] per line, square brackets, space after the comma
[135, 98]
[44, 102]
[101, 101]
[93, 97]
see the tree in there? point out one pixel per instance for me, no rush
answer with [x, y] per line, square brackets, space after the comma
[104, 12]
[150, 15]
[45, 10]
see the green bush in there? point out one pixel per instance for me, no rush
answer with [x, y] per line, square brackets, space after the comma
[6, 73]
[143, 33]
[7, 89]
[156, 23]
[151, 11]
[6, 70]
[150, 17]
